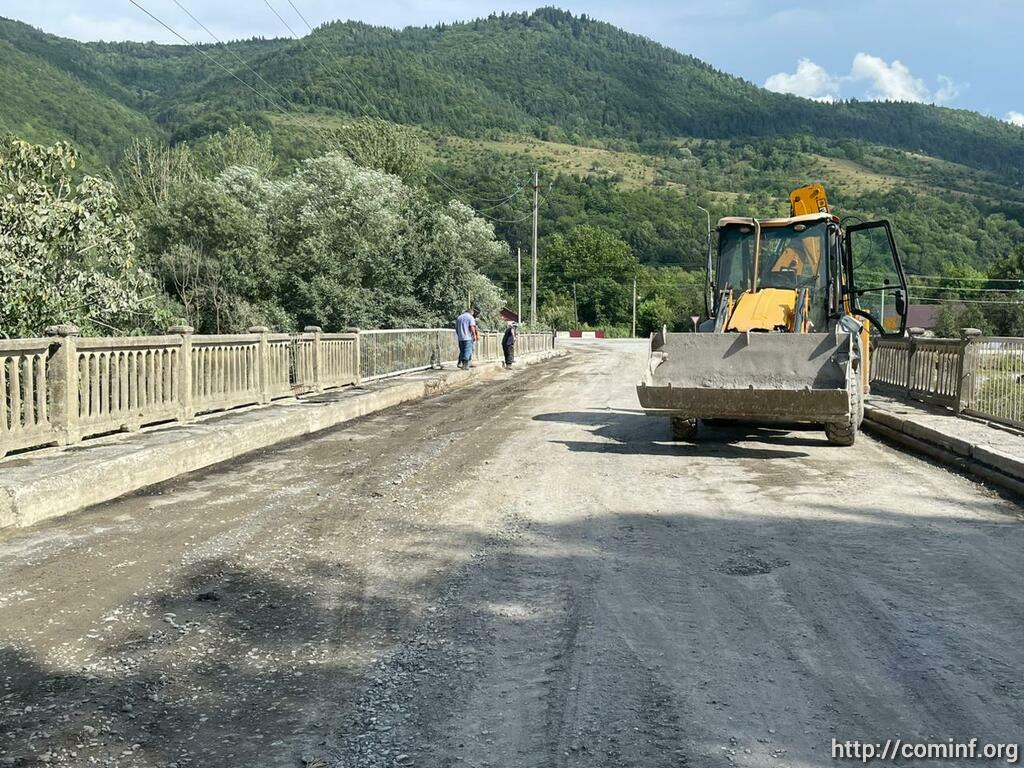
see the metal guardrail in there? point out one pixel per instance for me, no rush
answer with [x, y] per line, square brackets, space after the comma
[994, 386]
[63, 388]
[978, 375]
[393, 352]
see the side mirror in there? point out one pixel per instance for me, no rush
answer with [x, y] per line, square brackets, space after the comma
[901, 303]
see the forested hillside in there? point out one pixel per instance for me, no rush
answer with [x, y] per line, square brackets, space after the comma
[630, 138]
[547, 73]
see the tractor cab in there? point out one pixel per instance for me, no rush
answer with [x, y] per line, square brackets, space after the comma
[774, 273]
[796, 274]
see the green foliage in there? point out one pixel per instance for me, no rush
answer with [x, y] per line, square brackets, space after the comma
[67, 252]
[362, 249]
[333, 244]
[595, 268]
[149, 172]
[547, 73]
[216, 256]
[374, 143]
[239, 146]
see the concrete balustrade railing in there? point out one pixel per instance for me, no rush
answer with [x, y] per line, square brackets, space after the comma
[63, 388]
[978, 375]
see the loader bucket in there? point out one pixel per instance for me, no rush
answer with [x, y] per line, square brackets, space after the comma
[756, 377]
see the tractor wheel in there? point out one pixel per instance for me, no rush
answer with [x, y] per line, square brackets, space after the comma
[845, 433]
[841, 434]
[684, 430]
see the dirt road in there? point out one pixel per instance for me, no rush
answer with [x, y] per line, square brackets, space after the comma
[524, 573]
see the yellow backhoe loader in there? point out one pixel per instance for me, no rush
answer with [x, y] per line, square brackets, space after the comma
[791, 305]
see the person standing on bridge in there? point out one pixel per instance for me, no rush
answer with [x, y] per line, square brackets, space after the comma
[508, 343]
[466, 332]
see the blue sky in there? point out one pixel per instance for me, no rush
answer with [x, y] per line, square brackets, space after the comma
[961, 54]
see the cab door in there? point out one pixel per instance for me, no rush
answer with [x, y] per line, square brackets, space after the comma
[875, 282]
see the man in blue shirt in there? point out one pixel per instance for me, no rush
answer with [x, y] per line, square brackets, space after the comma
[466, 332]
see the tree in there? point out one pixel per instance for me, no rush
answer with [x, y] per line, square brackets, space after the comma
[67, 251]
[150, 171]
[215, 255]
[597, 269]
[363, 249]
[239, 146]
[374, 143]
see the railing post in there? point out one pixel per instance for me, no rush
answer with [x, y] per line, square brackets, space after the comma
[915, 333]
[262, 362]
[357, 356]
[318, 382]
[966, 367]
[62, 381]
[186, 408]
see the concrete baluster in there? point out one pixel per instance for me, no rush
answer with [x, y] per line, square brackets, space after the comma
[317, 385]
[915, 334]
[357, 356]
[262, 372]
[186, 406]
[967, 368]
[62, 381]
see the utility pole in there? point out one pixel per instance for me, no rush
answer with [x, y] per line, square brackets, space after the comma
[575, 311]
[519, 281]
[533, 297]
[634, 307]
[707, 267]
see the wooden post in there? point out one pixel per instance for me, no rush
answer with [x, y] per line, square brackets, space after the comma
[318, 382]
[262, 362]
[186, 406]
[966, 367]
[62, 381]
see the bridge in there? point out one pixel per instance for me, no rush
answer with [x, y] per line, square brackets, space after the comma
[522, 571]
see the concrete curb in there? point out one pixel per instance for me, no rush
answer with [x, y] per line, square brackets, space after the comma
[37, 487]
[983, 461]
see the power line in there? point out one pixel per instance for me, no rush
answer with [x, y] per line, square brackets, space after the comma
[974, 279]
[964, 289]
[343, 70]
[324, 134]
[527, 217]
[496, 200]
[238, 57]
[299, 13]
[205, 54]
[934, 300]
[370, 104]
[281, 19]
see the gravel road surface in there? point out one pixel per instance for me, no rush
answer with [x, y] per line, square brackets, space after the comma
[525, 573]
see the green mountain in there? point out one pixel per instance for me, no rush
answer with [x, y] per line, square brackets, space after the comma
[548, 73]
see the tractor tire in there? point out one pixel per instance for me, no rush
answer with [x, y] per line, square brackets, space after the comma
[684, 430]
[841, 434]
[845, 433]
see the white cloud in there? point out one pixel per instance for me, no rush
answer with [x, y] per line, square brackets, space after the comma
[1015, 118]
[812, 81]
[947, 91]
[870, 77]
[891, 82]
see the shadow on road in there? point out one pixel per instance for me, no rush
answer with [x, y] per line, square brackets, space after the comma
[686, 631]
[634, 432]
